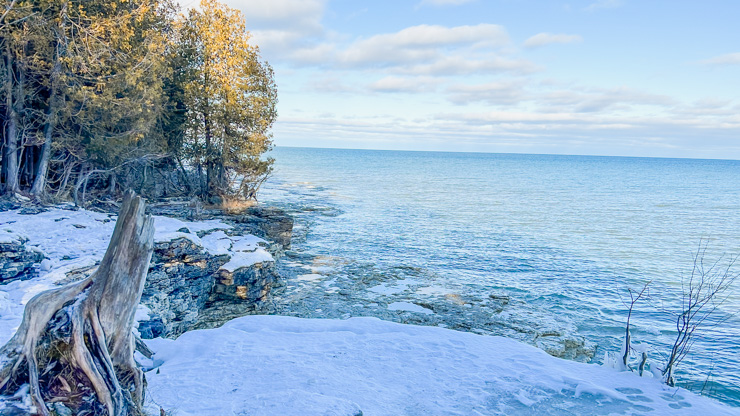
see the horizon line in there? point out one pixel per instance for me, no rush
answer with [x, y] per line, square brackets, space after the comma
[508, 153]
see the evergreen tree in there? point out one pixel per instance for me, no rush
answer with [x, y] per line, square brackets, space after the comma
[230, 96]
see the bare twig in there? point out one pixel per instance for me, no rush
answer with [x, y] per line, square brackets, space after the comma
[705, 290]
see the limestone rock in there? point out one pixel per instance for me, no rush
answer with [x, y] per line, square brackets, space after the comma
[269, 223]
[181, 278]
[17, 261]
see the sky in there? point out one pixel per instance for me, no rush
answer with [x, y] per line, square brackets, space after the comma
[593, 77]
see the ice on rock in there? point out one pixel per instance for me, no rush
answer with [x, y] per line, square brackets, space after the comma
[408, 307]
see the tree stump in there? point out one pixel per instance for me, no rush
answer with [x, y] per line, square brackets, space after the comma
[75, 345]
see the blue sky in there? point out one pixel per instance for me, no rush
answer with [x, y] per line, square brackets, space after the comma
[597, 77]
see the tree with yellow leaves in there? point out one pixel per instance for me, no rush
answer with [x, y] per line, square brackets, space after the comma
[230, 96]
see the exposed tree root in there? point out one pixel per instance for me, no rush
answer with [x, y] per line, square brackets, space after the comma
[75, 344]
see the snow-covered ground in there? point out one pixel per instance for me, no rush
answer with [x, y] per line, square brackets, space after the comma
[283, 366]
[274, 365]
[73, 239]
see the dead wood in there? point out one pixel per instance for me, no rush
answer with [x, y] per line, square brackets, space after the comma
[75, 344]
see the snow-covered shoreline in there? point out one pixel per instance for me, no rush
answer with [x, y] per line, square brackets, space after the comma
[277, 365]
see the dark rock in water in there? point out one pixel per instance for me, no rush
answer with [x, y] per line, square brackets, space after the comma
[17, 261]
[269, 223]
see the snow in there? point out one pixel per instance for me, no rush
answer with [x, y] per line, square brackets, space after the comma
[75, 239]
[247, 258]
[409, 307]
[275, 365]
[168, 229]
[217, 243]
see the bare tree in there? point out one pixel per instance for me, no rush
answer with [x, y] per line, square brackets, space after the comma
[634, 297]
[75, 344]
[703, 292]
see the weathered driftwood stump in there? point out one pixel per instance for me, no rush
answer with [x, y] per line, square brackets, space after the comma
[75, 344]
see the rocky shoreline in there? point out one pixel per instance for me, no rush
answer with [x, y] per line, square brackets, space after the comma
[188, 287]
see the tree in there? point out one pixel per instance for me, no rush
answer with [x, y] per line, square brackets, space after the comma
[106, 92]
[113, 87]
[703, 292]
[230, 96]
[82, 88]
[13, 42]
[75, 344]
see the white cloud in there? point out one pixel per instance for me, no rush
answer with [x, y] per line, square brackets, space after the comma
[282, 14]
[521, 131]
[542, 39]
[465, 65]
[405, 84]
[726, 59]
[283, 28]
[421, 42]
[580, 100]
[604, 4]
[494, 93]
[435, 50]
[443, 2]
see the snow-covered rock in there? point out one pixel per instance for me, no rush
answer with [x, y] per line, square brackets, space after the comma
[188, 275]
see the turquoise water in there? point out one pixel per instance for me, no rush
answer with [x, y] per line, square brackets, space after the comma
[567, 233]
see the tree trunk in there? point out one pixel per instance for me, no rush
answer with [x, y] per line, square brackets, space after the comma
[112, 186]
[75, 344]
[78, 183]
[10, 157]
[39, 185]
[185, 179]
[209, 158]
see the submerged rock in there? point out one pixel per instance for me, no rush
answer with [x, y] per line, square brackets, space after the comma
[314, 289]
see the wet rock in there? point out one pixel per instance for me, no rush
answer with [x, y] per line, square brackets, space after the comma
[270, 223]
[364, 290]
[17, 262]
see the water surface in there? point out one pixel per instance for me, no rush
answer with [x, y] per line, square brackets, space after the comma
[569, 234]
